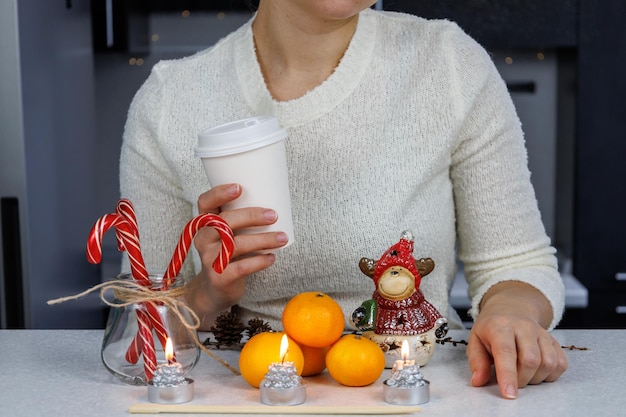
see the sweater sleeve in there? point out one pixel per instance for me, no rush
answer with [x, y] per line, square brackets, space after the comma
[147, 178]
[501, 235]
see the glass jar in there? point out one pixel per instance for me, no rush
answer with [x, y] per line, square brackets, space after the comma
[122, 327]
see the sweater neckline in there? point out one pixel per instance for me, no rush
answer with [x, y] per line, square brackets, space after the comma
[318, 101]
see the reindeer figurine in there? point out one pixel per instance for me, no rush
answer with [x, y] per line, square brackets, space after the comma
[398, 309]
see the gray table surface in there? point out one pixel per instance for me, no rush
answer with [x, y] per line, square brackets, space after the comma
[59, 373]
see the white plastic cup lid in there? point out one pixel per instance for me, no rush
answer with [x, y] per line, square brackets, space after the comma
[239, 136]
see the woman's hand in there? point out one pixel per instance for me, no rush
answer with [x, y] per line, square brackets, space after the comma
[210, 293]
[510, 332]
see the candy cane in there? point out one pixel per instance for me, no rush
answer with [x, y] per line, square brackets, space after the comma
[128, 240]
[186, 238]
[136, 346]
[125, 209]
[149, 354]
[134, 350]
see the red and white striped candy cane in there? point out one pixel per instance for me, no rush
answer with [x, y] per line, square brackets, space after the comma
[149, 353]
[186, 238]
[126, 209]
[128, 240]
[134, 350]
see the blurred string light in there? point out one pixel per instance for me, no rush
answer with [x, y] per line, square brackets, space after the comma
[540, 56]
[135, 61]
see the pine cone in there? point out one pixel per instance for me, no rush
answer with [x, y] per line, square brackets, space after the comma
[228, 329]
[256, 326]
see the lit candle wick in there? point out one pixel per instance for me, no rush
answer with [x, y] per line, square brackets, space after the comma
[169, 351]
[284, 348]
[405, 351]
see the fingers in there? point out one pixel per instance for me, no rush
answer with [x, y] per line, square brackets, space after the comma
[246, 258]
[245, 243]
[523, 353]
[548, 366]
[505, 355]
[212, 200]
[244, 267]
[540, 359]
[479, 360]
[562, 362]
[532, 362]
[252, 244]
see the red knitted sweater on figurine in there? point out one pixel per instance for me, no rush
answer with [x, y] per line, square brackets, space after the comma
[410, 316]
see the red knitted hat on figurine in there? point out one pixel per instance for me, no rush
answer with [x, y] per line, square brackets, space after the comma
[400, 254]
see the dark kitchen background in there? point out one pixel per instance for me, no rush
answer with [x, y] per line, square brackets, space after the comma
[69, 68]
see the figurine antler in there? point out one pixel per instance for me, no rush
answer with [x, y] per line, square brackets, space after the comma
[367, 266]
[424, 266]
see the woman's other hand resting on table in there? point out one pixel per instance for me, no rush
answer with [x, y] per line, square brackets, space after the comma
[510, 332]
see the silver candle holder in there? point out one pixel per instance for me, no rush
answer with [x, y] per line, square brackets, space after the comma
[406, 385]
[169, 385]
[282, 385]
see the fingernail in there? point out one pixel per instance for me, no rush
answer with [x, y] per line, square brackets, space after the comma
[233, 189]
[510, 392]
[270, 215]
[472, 381]
[282, 238]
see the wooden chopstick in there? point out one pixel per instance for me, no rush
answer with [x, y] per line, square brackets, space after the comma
[152, 408]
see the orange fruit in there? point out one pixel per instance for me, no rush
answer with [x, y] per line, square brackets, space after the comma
[355, 361]
[261, 351]
[314, 360]
[313, 319]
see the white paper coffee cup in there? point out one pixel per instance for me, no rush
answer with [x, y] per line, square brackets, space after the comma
[250, 152]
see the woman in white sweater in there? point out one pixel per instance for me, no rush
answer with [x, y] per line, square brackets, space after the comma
[394, 123]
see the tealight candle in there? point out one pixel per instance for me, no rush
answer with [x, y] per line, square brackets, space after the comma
[282, 385]
[169, 385]
[406, 385]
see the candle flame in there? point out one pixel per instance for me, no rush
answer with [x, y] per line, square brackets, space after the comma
[405, 350]
[169, 350]
[284, 347]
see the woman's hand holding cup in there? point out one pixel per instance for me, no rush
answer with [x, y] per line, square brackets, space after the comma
[210, 293]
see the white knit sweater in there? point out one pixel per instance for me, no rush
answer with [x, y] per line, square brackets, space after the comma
[414, 130]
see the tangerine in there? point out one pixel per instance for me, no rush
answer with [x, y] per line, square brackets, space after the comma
[261, 350]
[314, 360]
[313, 319]
[355, 361]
